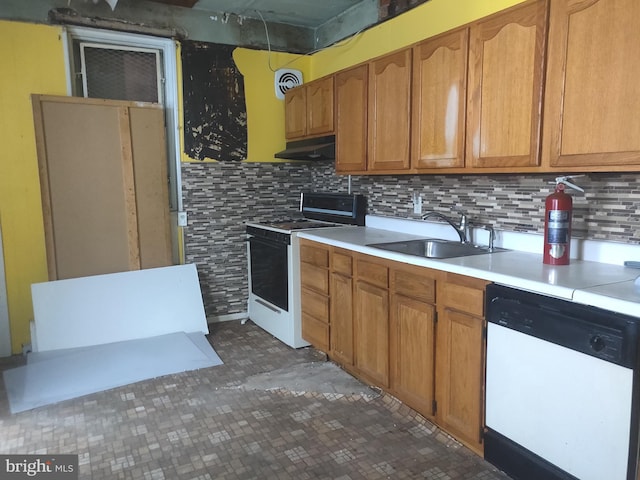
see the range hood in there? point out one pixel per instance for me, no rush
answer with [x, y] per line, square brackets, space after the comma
[310, 149]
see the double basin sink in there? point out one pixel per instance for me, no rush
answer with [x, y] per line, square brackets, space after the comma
[435, 248]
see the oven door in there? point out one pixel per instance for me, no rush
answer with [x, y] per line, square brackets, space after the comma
[268, 261]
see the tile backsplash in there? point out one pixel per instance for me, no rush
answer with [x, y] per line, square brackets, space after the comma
[220, 197]
[609, 209]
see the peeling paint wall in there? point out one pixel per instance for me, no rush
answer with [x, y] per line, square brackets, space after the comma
[215, 114]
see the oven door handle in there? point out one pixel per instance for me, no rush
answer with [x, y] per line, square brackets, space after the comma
[270, 307]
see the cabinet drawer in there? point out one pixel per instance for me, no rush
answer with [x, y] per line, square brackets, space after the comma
[462, 298]
[414, 285]
[314, 255]
[315, 304]
[373, 273]
[315, 332]
[314, 278]
[341, 263]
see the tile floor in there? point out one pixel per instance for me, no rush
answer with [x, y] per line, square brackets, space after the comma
[201, 425]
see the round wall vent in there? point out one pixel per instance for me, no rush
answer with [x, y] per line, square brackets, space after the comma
[286, 79]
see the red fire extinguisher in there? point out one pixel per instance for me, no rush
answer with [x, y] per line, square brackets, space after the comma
[557, 223]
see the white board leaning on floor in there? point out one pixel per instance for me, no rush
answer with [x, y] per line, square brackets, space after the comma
[99, 309]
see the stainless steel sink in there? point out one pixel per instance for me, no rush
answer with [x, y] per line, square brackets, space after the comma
[435, 248]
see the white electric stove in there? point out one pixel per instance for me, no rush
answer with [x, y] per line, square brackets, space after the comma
[274, 260]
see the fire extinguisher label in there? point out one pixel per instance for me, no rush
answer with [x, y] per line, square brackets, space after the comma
[558, 224]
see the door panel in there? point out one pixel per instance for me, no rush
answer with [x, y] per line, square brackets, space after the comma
[389, 112]
[593, 93]
[351, 119]
[93, 157]
[413, 352]
[372, 332]
[439, 100]
[506, 67]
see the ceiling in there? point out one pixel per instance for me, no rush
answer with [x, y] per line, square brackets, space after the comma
[303, 13]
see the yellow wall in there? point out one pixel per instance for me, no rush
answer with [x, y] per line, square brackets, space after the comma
[265, 113]
[426, 20]
[31, 61]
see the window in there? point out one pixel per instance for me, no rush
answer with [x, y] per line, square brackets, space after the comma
[118, 73]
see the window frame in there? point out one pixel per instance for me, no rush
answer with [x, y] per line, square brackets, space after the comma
[159, 62]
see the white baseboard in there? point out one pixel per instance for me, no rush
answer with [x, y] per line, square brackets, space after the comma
[228, 317]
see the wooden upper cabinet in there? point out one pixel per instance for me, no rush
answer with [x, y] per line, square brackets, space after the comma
[592, 100]
[389, 111]
[351, 119]
[439, 101]
[308, 109]
[320, 106]
[295, 113]
[506, 68]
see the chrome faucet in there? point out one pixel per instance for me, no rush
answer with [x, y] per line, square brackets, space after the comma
[461, 228]
[492, 236]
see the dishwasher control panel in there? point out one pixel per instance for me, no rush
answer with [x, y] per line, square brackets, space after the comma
[606, 335]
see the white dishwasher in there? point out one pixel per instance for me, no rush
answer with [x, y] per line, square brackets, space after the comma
[562, 389]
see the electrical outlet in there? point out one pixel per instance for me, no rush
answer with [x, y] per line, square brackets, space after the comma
[417, 203]
[182, 219]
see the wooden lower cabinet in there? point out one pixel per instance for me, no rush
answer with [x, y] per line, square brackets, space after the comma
[341, 319]
[459, 376]
[460, 359]
[371, 332]
[412, 352]
[413, 331]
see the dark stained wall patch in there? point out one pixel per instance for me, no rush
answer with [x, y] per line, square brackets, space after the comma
[215, 114]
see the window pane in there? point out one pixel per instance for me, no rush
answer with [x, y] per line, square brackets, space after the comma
[121, 74]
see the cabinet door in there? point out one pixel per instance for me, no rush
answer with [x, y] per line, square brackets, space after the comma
[351, 119]
[460, 377]
[315, 331]
[320, 106]
[295, 112]
[389, 111]
[439, 101]
[372, 332]
[342, 319]
[506, 67]
[593, 88]
[412, 353]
